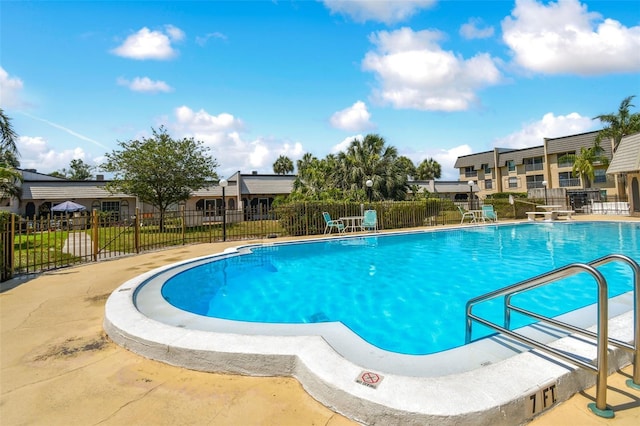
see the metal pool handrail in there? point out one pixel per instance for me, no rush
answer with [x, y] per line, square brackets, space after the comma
[601, 368]
[633, 348]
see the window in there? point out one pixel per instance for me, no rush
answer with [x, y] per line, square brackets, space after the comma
[535, 181]
[600, 176]
[567, 179]
[470, 172]
[113, 207]
[488, 184]
[531, 164]
[513, 182]
[486, 169]
[566, 159]
[511, 165]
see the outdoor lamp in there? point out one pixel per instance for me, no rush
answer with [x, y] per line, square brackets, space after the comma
[470, 183]
[544, 184]
[369, 184]
[223, 185]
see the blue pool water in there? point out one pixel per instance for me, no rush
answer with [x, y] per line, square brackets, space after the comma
[406, 293]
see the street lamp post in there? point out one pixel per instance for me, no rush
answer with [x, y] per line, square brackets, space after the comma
[470, 183]
[545, 183]
[369, 184]
[223, 185]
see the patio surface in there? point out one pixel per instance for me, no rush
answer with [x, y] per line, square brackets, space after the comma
[58, 367]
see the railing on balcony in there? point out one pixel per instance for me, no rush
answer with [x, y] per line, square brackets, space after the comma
[533, 167]
[534, 185]
[564, 183]
[473, 173]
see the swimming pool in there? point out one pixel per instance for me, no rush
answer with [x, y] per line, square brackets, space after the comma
[489, 381]
[405, 293]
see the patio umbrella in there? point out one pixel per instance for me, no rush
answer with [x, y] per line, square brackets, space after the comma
[68, 207]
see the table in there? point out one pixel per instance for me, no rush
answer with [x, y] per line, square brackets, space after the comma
[351, 222]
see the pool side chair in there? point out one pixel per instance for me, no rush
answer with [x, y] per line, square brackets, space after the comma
[465, 214]
[489, 214]
[369, 220]
[331, 224]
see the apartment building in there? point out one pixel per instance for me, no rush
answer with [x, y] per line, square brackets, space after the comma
[549, 165]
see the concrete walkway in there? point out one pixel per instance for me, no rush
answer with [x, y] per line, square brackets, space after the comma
[58, 368]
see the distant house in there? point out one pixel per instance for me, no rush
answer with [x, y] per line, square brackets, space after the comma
[41, 192]
[626, 165]
[453, 190]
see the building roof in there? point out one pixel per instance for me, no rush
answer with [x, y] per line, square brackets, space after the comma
[627, 158]
[63, 189]
[518, 155]
[476, 160]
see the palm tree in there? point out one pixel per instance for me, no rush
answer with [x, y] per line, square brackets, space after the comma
[619, 125]
[9, 175]
[372, 159]
[283, 165]
[429, 169]
[584, 162]
[8, 143]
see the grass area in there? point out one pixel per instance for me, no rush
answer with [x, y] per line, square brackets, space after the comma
[40, 250]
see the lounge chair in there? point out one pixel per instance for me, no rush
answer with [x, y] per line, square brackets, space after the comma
[489, 214]
[369, 220]
[332, 224]
[466, 213]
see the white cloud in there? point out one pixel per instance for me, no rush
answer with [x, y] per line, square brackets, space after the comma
[387, 11]
[414, 72]
[202, 40]
[550, 126]
[474, 28]
[353, 119]
[37, 154]
[223, 134]
[342, 146]
[145, 84]
[147, 44]
[563, 37]
[10, 87]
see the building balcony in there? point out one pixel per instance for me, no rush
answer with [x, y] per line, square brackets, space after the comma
[533, 167]
[565, 183]
[534, 185]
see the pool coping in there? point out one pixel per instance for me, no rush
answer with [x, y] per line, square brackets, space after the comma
[488, 394]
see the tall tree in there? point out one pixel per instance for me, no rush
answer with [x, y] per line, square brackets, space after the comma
[159, 170]
[78, 170]
[10, 177]
[429, 169]
[407, 166]
[373, 159]
[619, 125]
[283, 165]
[584, 163]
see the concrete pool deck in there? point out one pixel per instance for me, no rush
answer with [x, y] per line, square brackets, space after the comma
[57, 367]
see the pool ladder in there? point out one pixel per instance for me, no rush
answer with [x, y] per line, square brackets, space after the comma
[600, 368]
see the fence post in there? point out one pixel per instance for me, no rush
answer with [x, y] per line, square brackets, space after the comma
[184, 224]
[95, 234]
[136, 230]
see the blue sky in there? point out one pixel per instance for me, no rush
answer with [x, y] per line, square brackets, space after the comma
[255, 80]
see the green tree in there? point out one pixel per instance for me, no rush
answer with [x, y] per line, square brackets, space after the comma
[584, 163]
[407, 166]
[78, 170]
[429, 169]
[619, 125]
[283, 165]
[373, 159]
[10, 177]
[159, 170]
